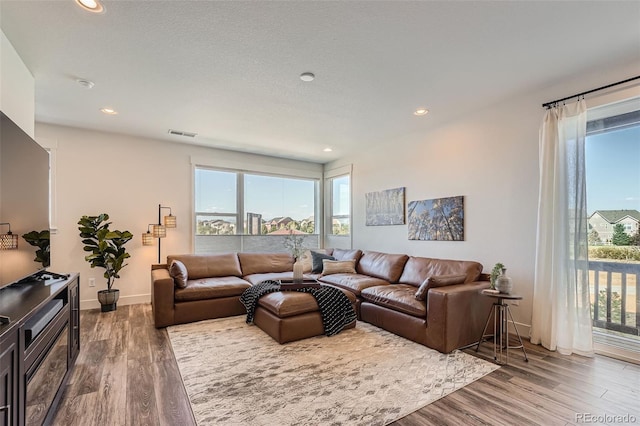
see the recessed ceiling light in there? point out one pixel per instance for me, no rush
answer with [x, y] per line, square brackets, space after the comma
[327, 150]
[87, 84]
[307, 76]
[420, 111]
[91, 5]
[109, 111]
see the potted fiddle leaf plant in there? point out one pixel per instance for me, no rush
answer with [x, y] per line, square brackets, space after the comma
[106, 250]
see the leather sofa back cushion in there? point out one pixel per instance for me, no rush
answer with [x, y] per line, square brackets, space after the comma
[262, 263]
[382, 265]
[439, 281]
[341, 254]
[178, 272]
[418, 269]
[330, 267]
[209, 265]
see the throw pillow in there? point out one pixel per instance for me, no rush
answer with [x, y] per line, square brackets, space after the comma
[338, 267]
[178, 272]
[316, 261]
[438, 281]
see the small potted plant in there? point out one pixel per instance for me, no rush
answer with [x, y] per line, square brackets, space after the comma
[107, 251]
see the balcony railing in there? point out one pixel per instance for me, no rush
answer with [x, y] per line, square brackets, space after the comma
[615, 296]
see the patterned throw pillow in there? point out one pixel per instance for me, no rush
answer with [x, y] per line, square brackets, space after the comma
[178, 272]
[338, 267]
[316, 261]
[439, 281]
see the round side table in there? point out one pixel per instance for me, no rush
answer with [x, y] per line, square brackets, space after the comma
[501, 318]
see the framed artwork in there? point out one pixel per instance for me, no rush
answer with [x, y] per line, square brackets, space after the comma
[385, 207]
[441, 219]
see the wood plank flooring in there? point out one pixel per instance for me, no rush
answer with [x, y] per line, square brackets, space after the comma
[126, 374]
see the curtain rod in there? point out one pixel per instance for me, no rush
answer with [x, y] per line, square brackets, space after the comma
[552, 103]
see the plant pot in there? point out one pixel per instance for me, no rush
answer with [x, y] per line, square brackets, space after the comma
[108, 299]
[503, 283]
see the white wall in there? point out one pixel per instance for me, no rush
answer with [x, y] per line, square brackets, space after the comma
[127, 177]
[17, 93]
[491, 158]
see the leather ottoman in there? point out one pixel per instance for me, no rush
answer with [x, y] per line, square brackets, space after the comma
[288, 316]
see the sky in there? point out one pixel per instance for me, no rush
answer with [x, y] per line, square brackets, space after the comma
[613, 170]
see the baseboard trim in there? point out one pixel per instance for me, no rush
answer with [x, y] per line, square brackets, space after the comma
[523, 329]
[126, 300]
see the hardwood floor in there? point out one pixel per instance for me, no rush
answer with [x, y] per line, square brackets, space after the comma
[126, 374]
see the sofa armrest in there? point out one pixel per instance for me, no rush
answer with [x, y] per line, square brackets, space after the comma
[456, 314]
[162, 296]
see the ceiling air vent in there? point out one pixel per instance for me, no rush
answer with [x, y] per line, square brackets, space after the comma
[181, 133]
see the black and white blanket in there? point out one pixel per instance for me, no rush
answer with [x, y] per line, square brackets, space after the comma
[335, 307]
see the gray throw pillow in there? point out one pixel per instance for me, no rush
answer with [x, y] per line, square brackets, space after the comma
[316, 261]
[178, 272]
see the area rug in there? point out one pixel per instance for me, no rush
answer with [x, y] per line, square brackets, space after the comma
[235, 374]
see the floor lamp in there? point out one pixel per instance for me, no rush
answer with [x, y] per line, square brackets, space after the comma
[159, 230]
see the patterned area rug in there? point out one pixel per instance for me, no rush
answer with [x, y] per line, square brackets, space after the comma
[235, 374]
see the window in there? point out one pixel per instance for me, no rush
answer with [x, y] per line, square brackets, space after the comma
[252, 212]
[340, 205]
[337, 208]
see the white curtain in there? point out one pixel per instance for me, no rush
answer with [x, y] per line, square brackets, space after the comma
[561, 307]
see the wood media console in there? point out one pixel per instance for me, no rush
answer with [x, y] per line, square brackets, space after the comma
[38, 348]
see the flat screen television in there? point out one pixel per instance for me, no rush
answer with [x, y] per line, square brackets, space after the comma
[24, 203]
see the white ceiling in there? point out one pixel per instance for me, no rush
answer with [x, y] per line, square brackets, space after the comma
[229, 71]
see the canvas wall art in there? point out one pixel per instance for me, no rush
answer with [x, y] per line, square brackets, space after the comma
[385, 207]
[441, 219]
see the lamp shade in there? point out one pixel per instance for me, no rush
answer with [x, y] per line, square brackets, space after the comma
[147, 239]
[170, 221]
[8, 241]
[159, 231]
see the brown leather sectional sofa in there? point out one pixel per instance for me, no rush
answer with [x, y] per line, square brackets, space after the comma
[384, 286]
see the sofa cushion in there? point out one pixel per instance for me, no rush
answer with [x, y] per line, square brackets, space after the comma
[439, 281]
[262, 263]
[316, 260]
[382, 265]
[338, 267]
[211, 288]
[179, 273]
[398, 297]
[209, 265]
[341, 254]
[418, 269]
[275, 276]
[353, 282]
